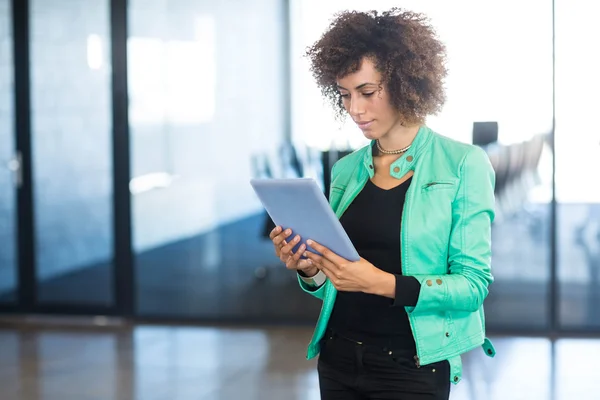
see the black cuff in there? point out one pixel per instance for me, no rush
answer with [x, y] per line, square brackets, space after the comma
[408, 289]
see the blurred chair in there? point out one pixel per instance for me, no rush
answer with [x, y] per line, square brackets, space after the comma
[516, 166]
[498, 157]
[513, 194]
[485, 133]
[312, 167]
[534, 155]
[328, 158]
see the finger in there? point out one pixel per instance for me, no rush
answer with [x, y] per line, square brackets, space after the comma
[293, 263]
[288, 247]
[290, 263]
[281, 249]
[327, 254]
[304, 264]
[278, 248]
[277, 240]
[321, 262]
[299, 253]
[274, 232]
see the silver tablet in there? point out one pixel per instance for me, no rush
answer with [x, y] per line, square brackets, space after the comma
[299, 204]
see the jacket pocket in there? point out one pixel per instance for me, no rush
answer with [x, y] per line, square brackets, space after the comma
[438, 185]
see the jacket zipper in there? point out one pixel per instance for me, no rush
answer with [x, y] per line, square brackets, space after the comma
[430, 184]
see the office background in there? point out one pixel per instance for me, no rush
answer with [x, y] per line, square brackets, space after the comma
[129, 131]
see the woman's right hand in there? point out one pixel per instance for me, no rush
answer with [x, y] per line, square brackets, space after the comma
[283, 250]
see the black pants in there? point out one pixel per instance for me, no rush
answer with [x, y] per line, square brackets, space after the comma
[352, 371]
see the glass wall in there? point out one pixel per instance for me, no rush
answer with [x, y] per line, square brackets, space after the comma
[207, 113]
[578, 163]
[496, 75]
[8, 210]
[72, 153]
[209, 109]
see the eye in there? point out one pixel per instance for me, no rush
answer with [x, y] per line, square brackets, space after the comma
[344, 95]
[368, 94]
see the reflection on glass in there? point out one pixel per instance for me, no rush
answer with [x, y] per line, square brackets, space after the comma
[485, 83]
[577, 164]
[176, 92]
[8, 162]
[72, 154]
[206, 109]
[185, 94]
[94, 52]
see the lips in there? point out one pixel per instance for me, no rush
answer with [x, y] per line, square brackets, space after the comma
[364, 124]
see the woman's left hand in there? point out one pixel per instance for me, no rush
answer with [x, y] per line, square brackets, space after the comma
[347, 276]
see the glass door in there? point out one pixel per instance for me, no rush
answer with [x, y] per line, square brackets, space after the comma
[71, 140]
[9, 164]
[57, 229]
[577, 165]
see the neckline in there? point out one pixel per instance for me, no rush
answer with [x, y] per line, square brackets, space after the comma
[392, 188]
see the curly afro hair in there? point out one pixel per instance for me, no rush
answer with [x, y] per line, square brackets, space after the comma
[404, 48]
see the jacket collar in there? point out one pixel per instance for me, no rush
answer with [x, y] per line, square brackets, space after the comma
[407, 161]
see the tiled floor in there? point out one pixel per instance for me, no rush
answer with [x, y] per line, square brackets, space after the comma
[173, 363]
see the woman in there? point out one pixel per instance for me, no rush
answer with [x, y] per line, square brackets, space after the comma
[417, 206]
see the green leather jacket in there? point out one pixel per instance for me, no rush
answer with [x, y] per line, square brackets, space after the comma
[445, 242]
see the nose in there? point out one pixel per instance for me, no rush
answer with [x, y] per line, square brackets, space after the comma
[356, 107]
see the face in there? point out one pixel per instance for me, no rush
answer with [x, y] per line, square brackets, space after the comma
[367, 103]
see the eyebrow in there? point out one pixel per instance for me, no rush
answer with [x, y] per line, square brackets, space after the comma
[359, 86]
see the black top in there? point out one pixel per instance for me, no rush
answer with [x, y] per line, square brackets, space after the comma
[373, 222]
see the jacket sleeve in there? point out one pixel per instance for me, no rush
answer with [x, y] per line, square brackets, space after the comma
[465, 287]
[316, 291]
